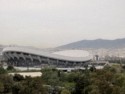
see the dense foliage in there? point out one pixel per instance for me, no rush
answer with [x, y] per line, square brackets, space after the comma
[110, 80]
[17, 84]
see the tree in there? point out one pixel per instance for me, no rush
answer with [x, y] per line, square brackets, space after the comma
[18, 77]
[1, 87]
[10, 68]
[16, 88]
[7, 83]
[32, 86]
[81, 85]
[92, 68]
[2, 70]
[65, 91]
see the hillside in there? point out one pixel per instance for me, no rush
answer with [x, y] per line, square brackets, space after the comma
[98, 43]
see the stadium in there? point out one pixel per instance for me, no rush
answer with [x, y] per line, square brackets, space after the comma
[24, 56]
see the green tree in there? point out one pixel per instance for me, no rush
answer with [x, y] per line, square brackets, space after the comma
[65, 91]
[10, 68]
[16, 88]
[1, 87]
[7, 82]
[2, 70]
[32, 86]
[18, 77]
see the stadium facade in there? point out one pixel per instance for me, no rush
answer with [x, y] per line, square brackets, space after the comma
[24, 56]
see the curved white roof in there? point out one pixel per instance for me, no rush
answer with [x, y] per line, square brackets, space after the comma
[73, 53]
[69, 55]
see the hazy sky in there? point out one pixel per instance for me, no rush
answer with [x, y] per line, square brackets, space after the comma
[50, 23]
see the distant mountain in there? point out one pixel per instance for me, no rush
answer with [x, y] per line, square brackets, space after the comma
[98, 43]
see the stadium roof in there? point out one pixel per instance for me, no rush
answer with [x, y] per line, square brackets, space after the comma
[69, 55]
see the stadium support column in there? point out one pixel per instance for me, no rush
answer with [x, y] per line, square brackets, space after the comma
[27, 63]
[6, 57]
[22, 55]
[66, 63]
[39, 59]
[48, 61]
[57, 61]
[74, 64]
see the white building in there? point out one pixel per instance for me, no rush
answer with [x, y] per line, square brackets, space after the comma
[24, 56]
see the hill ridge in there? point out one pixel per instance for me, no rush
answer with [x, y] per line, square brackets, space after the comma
[97, 43]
